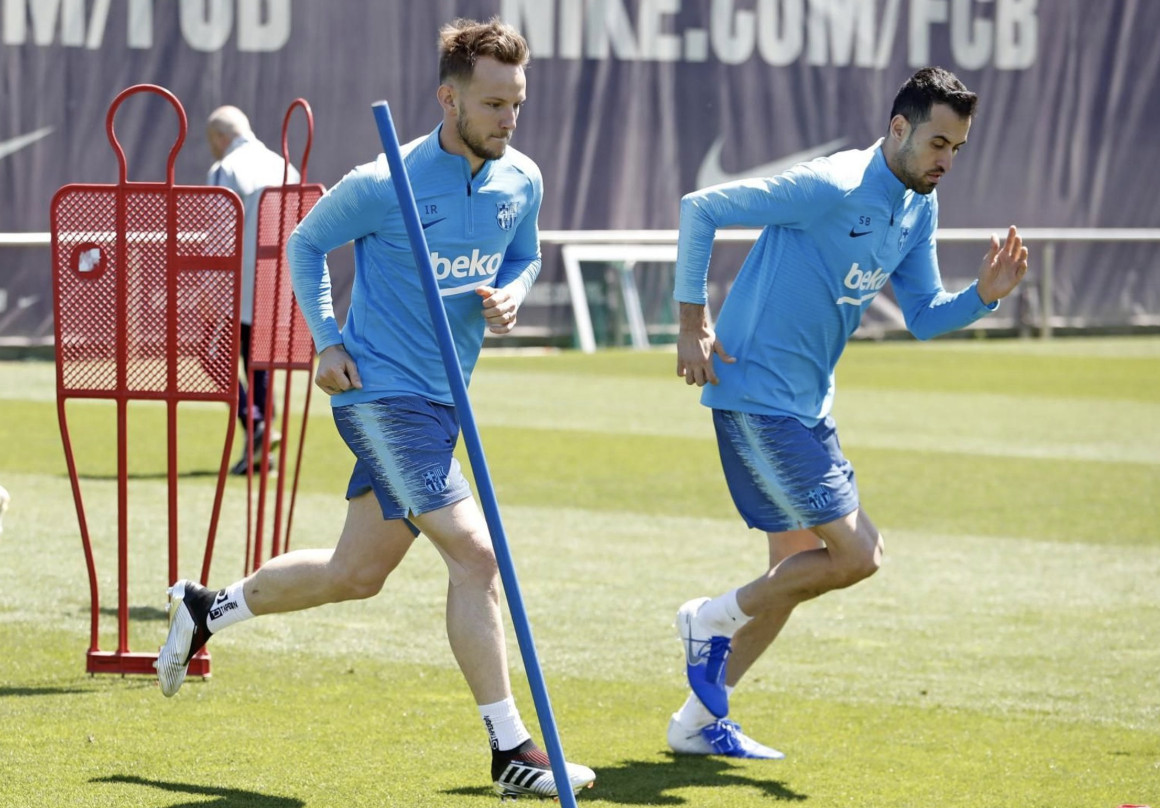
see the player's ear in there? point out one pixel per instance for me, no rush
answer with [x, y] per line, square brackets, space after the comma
[447, 97]
[899, 128]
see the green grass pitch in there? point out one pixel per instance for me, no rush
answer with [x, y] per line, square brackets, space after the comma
[1007, 655]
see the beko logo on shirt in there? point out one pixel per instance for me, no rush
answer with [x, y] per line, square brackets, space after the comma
[863, 280]
[466, 266]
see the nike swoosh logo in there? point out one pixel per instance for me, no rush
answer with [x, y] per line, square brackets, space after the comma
[855, 234]
[433, 222]
[15, 144]
[856, 301]
[711, 172]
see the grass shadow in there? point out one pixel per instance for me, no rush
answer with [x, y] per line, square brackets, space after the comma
[5, 692]
[643, 782]
[225, 797]
[145, 475]
[139, 612]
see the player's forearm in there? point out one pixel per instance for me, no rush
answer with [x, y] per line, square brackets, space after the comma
[518, 282]
[944, 312]
[694, 248]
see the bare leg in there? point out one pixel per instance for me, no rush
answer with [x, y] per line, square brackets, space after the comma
[474, 622]
[755, 636]
[369, 548]
[803, 565]
[852, 551]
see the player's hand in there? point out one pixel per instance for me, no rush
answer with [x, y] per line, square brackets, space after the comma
[1003, 267]
[499, 309]
[336, 372]
[695, 352]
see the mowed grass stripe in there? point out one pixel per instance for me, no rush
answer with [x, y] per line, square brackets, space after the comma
[1114, 503]
[1105, 502]
[1112, 368]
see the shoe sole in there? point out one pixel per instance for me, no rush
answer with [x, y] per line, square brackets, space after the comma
[173, 658]
[504, 794]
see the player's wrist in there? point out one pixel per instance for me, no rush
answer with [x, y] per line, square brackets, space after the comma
[694, 320]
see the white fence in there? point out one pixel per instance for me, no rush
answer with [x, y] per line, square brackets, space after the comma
[626, 249]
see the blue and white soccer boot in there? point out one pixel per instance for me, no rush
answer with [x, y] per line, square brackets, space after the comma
[719, 738]
[705, 656]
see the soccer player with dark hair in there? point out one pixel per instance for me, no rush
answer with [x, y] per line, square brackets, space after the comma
[835, 230]
[479, 201]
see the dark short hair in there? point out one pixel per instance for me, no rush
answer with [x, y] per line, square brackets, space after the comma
[462, 42]
[930, 86]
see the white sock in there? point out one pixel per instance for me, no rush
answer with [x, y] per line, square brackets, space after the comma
[228, 608]
[693, 714]
[505, 730]
[721, 616]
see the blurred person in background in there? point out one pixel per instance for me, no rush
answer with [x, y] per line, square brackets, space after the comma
[247, 167]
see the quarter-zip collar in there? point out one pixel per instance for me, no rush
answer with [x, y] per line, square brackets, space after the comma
[433, 149]
[894, 188]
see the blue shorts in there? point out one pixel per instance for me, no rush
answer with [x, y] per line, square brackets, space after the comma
[403, 452]
[782, 474]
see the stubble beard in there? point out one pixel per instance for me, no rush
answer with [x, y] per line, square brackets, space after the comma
[912, 179]
[477, 145]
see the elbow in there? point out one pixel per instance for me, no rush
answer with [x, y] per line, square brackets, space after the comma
[921, 328]
[300, 250]
[690, 205]
[296, 242]
[293, 245]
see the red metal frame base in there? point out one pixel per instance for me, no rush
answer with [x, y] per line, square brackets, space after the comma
[132, 662]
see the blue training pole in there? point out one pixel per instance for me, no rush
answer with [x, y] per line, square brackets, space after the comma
[503, 557]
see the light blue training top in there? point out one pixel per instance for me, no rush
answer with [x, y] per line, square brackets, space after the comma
[481, 231]
[835, 230]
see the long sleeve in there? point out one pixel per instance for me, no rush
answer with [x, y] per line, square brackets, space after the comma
[353, 208]
[793, 199]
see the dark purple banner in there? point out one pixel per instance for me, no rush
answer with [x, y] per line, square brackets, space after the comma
[630, 103]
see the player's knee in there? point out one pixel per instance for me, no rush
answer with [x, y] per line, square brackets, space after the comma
[870, 559]
[356, 582]
[474, 564]
[863, 561]
[359, 586]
